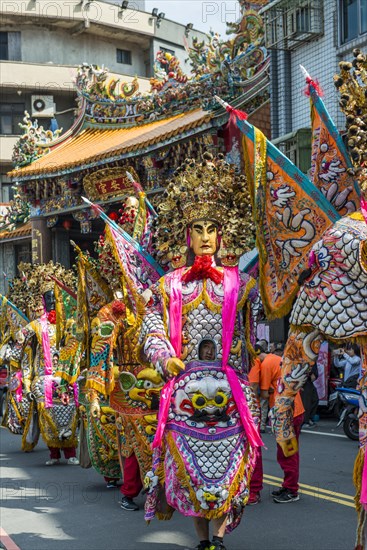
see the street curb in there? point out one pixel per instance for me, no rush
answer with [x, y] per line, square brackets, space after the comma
[6, 541]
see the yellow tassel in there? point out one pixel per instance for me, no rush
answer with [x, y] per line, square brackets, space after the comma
[357, 480]
[187, 308]
[184, 479]
[357, 476]
[360, 339]
[94, 385]
[27, 447]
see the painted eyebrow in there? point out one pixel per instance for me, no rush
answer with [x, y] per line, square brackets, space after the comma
[200, 227]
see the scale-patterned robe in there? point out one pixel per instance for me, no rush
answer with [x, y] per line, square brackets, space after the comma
[205, 462]
[57, 423]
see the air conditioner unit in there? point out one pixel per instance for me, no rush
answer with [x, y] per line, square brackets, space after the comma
[43, 106]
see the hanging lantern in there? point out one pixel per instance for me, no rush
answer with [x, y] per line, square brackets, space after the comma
[67, 224]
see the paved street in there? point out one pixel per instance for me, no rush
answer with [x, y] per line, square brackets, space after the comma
[67, 508]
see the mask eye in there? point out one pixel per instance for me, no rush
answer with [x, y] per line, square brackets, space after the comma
[221, 399]
[199, 401]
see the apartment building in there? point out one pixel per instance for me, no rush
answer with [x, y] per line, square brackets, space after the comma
[42, 43]
[317, 34]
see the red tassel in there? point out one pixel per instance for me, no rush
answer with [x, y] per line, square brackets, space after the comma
[51, 317]
[203, 269]
[315, 84]
[138, 188]
[241, 115]
[118, 308]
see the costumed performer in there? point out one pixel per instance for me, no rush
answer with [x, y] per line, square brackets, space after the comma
[206, 440]
[53, 403]
[135, 396]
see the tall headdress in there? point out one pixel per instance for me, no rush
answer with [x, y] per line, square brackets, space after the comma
[352, 85]
[206, 190]
[26, 291]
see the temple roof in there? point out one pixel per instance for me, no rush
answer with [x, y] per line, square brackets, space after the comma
[23, 230]
[93, 145]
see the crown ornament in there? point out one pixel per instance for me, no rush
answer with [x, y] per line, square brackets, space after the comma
[26, 290]
[351, 83]
[204, 190]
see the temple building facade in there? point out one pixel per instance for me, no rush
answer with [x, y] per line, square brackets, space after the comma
[121, 127]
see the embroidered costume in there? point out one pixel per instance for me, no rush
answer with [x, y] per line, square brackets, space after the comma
[205, 445]
[312, 242]
[57, 420]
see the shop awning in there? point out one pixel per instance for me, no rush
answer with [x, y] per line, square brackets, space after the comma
[93, 145]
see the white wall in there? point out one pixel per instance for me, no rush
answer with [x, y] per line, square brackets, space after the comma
[60, 48]
[321, 58]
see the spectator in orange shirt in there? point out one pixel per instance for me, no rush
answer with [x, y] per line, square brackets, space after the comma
[261, 349]
[254, 376]
[269, 377]
[256, 484]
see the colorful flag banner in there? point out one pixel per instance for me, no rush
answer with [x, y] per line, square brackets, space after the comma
[290, 214]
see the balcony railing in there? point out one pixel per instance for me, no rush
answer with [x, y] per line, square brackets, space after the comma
[290, 23]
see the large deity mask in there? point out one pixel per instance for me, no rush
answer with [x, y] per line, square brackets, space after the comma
[49, 298]
[206, 200]
[204, 237]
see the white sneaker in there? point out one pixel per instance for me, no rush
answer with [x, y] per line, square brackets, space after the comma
[52, 461]
[73, 461]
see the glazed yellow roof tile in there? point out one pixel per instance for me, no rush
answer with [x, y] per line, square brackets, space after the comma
[22, 231]
[93, 144]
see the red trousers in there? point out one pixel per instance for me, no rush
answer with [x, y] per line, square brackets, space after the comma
[290, 464]
[55, 452]
[132, 484]
[256, 484]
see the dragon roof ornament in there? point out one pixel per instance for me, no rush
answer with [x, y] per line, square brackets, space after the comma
[15, 214]
[222, 67]
[232, 68]
[34, 143]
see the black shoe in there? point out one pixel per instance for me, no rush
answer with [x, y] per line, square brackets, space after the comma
[217, 545]
[203, 546]
[112, 484]
[278, 492]
[285, 497]
[128, 504]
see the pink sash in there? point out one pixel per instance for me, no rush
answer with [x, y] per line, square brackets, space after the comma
[47, 361]
[76, 394]
[231, 288]
[364, 208]
[175, 330]
[18, 391]
[363, 498]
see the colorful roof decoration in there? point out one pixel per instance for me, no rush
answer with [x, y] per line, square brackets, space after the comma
[34, 143]
[92, 145]
[14, 213]
[118, 125]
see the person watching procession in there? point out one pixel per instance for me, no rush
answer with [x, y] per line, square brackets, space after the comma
[269, 380]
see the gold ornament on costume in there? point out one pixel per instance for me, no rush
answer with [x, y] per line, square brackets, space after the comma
[205, 190]
[352, 85]
[26, 291]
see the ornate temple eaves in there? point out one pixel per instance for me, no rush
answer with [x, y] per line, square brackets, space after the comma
[91, 147]
[21, 232]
